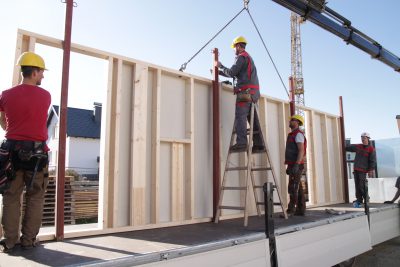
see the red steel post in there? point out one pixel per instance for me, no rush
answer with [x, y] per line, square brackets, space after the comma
[63, 123]
[344, 162]
[216, 135]
[291, 96]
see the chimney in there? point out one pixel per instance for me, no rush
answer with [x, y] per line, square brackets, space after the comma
[97, 112]
[398, 122]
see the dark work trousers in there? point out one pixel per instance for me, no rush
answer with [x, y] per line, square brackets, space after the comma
[242, 115]
[359, 182]
[297, 201]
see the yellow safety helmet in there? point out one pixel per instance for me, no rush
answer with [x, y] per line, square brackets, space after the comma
[239, 39]
[299, 118]
[31, 59]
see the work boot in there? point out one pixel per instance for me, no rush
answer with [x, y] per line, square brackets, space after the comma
[299, 213]
[357, 204]
[4, 248]
[258, 149]
[29, 244]
[238, 147]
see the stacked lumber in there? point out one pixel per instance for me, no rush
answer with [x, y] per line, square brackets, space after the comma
[85, 199]
[50, 202]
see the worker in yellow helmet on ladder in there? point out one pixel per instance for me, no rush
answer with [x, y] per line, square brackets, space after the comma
[246, 89]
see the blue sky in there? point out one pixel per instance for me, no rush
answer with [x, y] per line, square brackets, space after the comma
[168, 33]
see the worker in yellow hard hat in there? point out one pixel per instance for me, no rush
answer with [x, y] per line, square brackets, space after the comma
[23, 116]
[296, 146]
[364, 163]
[246, 88]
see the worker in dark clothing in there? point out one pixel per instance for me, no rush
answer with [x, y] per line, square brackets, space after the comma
[247, 91]
[364, 163]
[296, 146]
[397, 195]
[23, 116]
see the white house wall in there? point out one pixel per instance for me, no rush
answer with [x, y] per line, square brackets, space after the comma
[157, 161]
[82, 155]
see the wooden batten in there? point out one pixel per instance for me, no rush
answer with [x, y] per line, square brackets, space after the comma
[155, 155]
[109, 155]
[326, 158]
[189, 163]
[138, 145]
[312, 149]
[115, 161]
[177, 186]
[283, 115]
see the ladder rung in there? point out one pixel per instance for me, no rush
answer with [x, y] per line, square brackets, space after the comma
[261, 169]
[231, 208]
[260, 203]
[243, 168]
[236, 168]
[277, 203]
[258, 186]
[234, 188]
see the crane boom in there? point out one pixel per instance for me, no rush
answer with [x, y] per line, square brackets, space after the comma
[316, 12]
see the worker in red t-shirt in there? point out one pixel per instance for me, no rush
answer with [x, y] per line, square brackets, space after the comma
[23, 116]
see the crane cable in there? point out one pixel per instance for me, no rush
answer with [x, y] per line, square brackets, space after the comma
[246, 7]
[183, 67]
[266, 49]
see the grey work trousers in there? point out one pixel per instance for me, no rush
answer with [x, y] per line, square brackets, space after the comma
[359, 182]
[242, 116]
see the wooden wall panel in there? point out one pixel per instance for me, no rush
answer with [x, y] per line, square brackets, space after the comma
[157, 162]
[203, 194]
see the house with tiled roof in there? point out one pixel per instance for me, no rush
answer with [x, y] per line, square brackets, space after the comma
[82, 141]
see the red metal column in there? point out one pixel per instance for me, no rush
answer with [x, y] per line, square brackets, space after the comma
[292, 103]
[63, 123]
[344, 163]
[216, 135]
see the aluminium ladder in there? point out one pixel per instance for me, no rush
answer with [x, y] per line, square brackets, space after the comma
[249, 176]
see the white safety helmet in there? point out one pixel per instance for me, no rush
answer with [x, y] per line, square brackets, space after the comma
[365, 134]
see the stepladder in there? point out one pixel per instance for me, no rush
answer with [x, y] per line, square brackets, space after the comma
[249, 170]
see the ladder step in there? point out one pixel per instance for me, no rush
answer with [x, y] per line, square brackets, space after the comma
[243, 168]
[236, 168]
[275, 203]
[261, 169]
[234, 188]
[258, 186]
[231, 208]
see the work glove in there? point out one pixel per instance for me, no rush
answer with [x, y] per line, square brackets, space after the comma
[388, 202]
[295, 168]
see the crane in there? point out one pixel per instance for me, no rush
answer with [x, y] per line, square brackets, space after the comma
[317, 12]
[296, 79]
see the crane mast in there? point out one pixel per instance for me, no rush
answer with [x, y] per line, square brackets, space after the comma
[297, 81]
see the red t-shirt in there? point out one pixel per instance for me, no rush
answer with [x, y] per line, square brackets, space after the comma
[25, 107]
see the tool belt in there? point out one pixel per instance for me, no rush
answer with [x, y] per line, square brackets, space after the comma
[244, 96]
[26, 154]
[7, 172]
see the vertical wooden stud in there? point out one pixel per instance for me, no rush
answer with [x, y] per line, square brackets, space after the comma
[138, 145]
[155, 155]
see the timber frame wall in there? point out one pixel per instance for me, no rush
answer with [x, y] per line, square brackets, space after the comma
[156, 163]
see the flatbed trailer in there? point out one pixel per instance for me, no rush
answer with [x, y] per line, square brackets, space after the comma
[317, 239]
